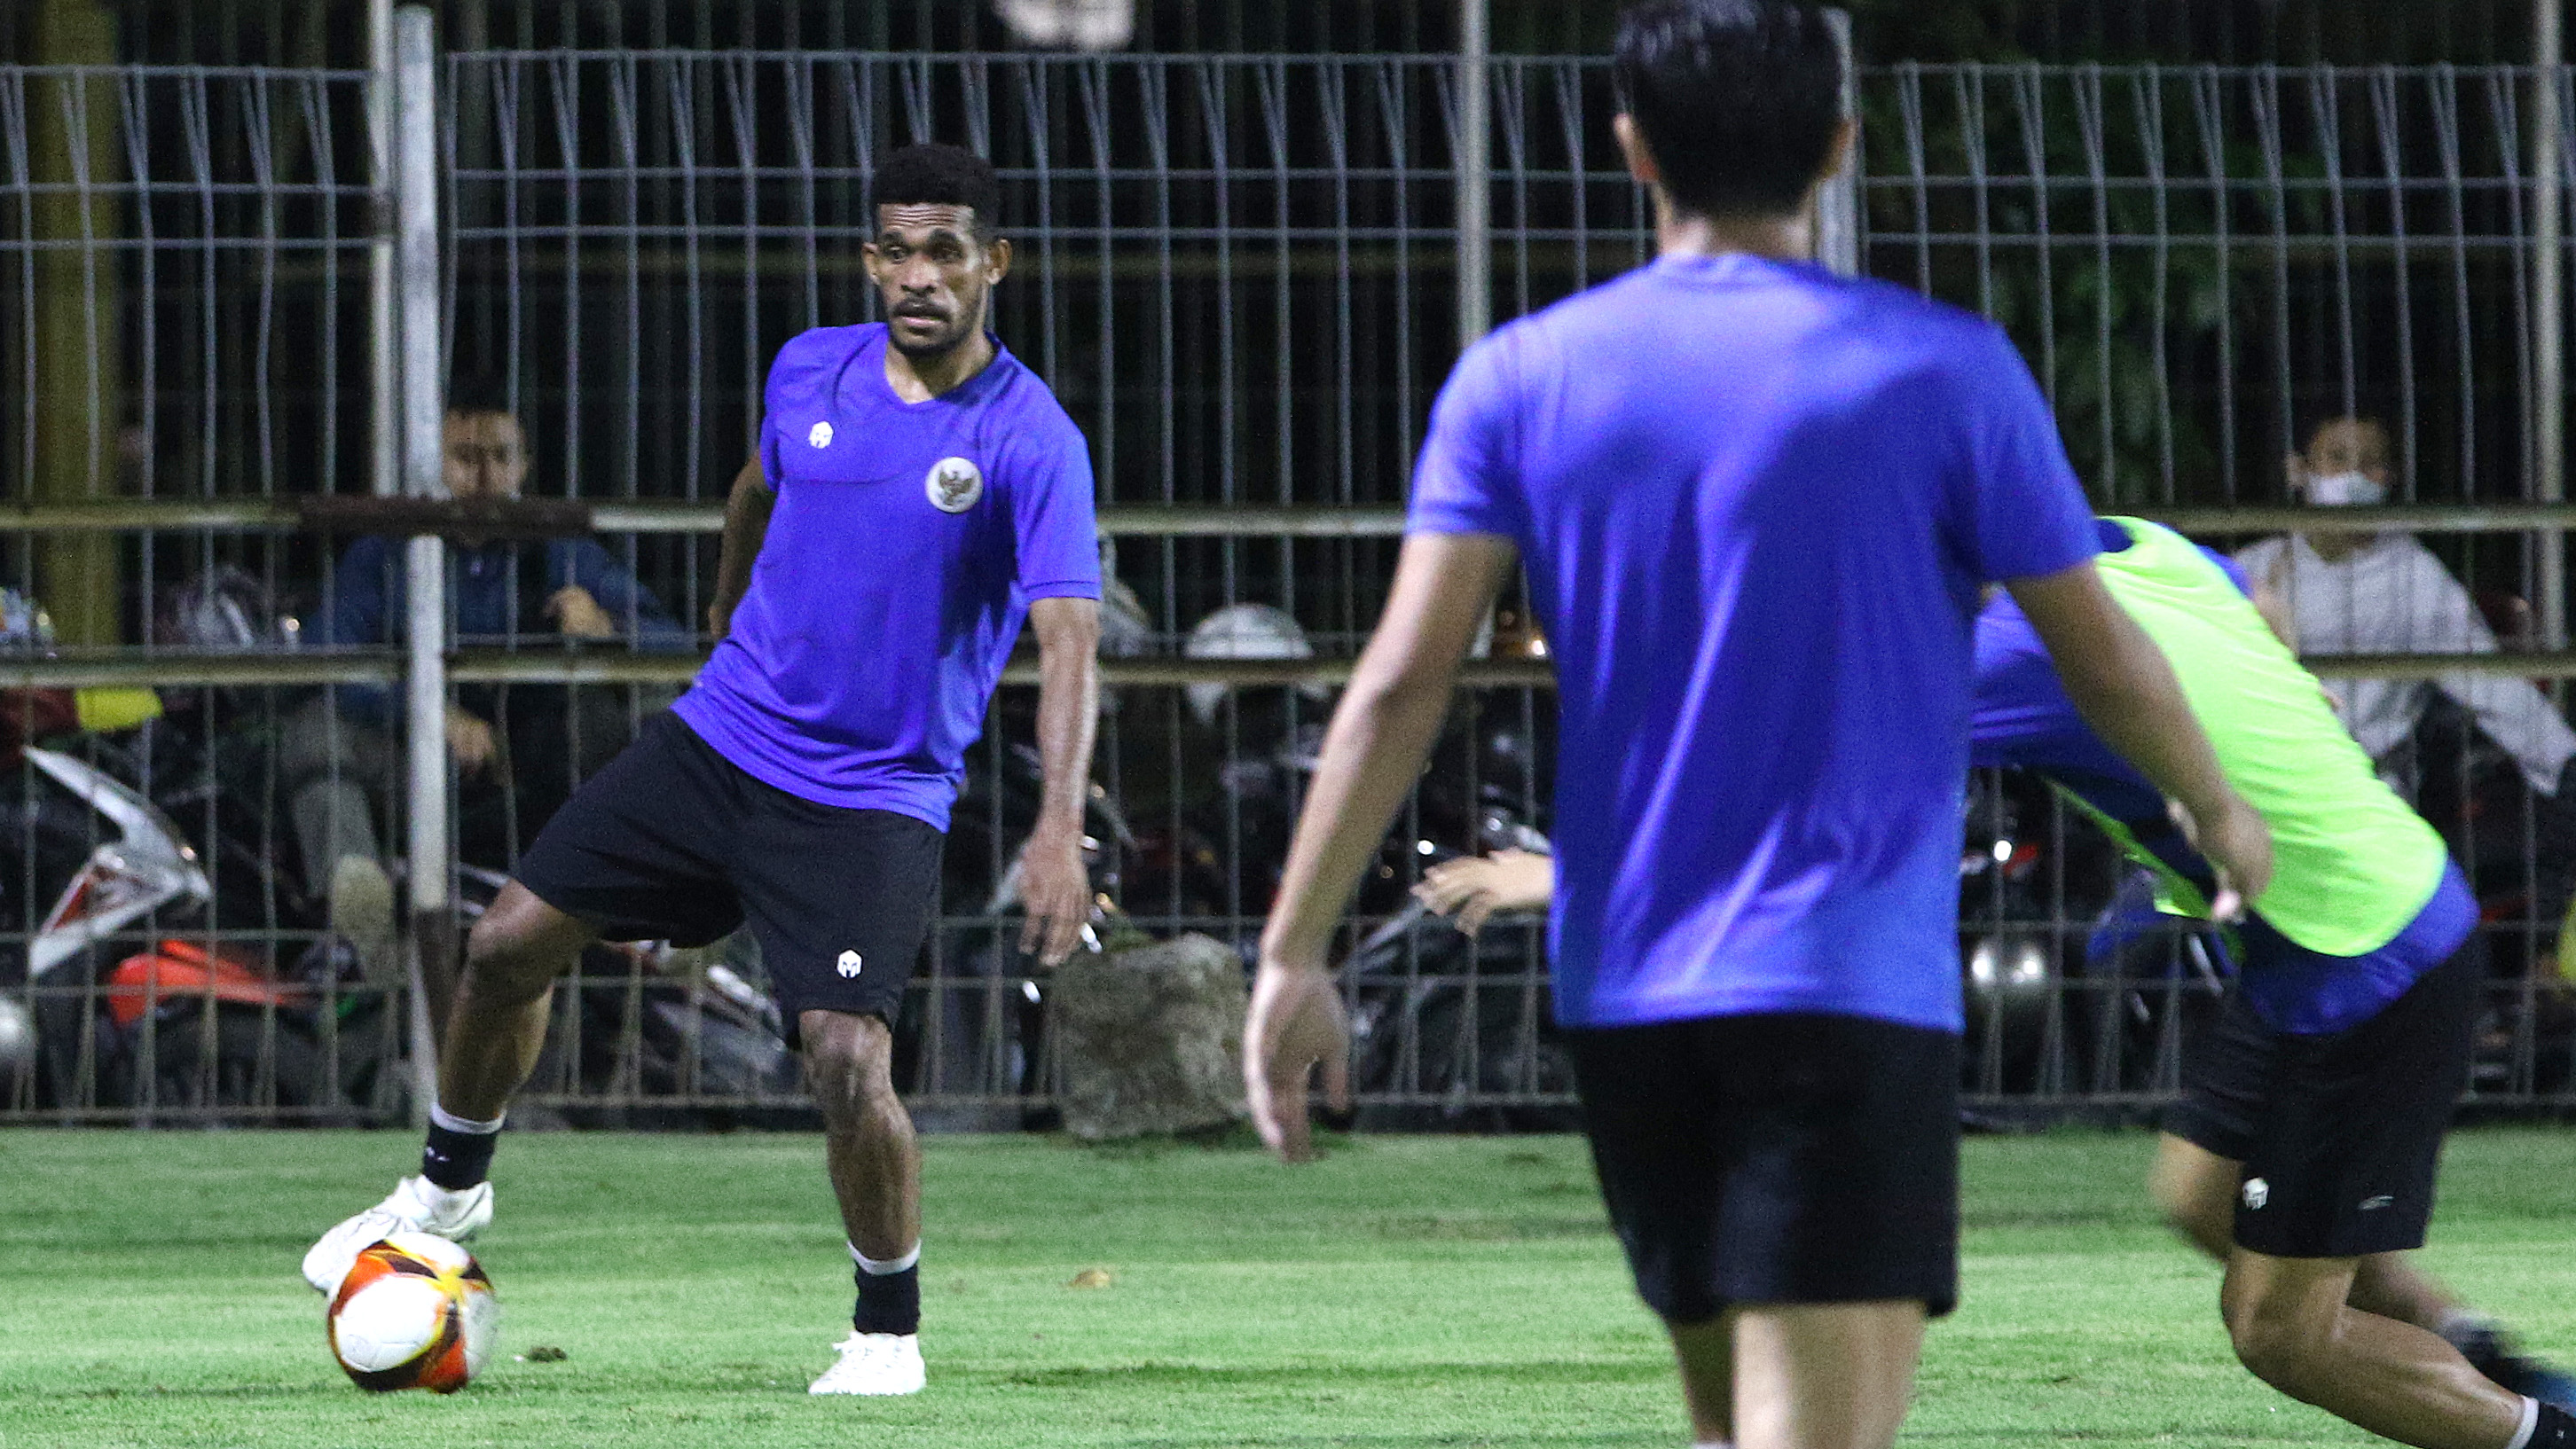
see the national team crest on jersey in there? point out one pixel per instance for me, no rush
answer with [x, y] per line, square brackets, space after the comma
[954, 485]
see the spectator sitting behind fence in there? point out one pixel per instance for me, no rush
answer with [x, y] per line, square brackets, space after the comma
[2348, 593]
[342, 752]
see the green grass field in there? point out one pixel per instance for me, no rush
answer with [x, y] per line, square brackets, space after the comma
[1405, 1292]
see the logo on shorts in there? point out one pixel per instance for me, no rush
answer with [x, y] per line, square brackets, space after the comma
[2257, 1192]
[2374, 1204]
[849, 963]
[821, 437]
[954, 485]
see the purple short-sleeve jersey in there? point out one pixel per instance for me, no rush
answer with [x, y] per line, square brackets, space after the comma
[903, 550]
[1756, 503]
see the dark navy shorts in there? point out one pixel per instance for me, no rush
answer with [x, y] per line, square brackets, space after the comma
[1783, 1158]
[2340, 1134]
[672, 841]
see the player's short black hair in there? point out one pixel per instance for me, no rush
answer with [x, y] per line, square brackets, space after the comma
[478, 392]
[1738, 99]
[943, 176]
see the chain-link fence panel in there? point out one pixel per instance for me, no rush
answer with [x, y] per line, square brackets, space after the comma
[1241, 275]
[185, 255]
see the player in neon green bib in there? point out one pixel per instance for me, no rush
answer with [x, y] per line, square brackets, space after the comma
[2303, 1155]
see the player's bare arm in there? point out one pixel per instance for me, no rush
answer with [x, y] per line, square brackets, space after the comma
[746, 524]
[2127, 692]
[1053, 881]
[1379, 738]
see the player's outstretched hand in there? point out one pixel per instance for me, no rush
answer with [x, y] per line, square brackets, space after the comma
[2237, 844]
[1472, 888]
[1296, 1025]
[1057, 892]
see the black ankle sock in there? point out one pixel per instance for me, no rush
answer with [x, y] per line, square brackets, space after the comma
[2556, 1429]
[889, 1302]
[457, 1160]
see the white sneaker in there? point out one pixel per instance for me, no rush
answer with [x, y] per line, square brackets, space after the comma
[874, 1363]
[417, 1205]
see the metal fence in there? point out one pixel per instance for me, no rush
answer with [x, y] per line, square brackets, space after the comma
[1242, 275]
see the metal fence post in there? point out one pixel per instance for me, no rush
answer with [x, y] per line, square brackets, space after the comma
[1838, 205]
[1475, 174]
[384, 476]
[423, 390]
[2548, 307]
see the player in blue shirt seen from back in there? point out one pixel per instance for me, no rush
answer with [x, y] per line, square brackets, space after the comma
[918, 493]
[1756, 504]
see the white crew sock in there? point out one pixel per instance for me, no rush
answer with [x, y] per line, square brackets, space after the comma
[2530, 1424]
[466, 1125]
[875, 1268]
[1713, 1444]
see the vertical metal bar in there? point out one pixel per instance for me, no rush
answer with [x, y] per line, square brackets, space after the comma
[1838, 207]
[416, 178]
[2384, 118]
[2548, 307]
[384, 476]
[1475, 175]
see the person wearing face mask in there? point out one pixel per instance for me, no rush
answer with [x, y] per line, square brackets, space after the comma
[2363, 593]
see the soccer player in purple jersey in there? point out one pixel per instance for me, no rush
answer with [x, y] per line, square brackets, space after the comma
[1756, 504]
[918, 492]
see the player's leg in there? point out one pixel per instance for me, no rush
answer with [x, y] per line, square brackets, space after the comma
[2341, 1169]
[841, 902]
[1705, 1354]
[868, 1143]
[2292, 1326]
[1825, 1375]
[1840, 1229]
[632, 855]
[1661, 1150]
[875, 1166]
[1786, 1189]
[498, 1024]
[2196, 1190]
[2200, 1166]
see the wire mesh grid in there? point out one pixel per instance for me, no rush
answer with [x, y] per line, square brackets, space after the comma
[184, 251]
[1239, 273]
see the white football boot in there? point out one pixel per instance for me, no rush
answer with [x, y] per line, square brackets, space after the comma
[417, 1205]
[874, 1363]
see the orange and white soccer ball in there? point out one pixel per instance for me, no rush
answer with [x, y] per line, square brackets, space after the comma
[415, 1312]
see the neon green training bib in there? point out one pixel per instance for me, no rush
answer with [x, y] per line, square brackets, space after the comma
[2352, 864]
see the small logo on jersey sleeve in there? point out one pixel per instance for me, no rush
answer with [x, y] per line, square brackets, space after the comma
[954, 485]
[849, 963]
[821, 436]
[2257, 1193]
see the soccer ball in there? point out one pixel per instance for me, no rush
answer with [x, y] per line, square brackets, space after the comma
[415, 1312]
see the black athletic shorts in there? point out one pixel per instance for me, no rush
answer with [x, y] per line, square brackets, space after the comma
[672, 841]
[1777, 1159]
[2341, 1134]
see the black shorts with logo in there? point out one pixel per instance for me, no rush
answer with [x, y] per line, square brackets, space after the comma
[2340, 1134]
[1793, 1157]
[674, 841]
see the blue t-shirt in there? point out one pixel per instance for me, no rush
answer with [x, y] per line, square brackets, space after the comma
[1756, 503]
[903, 550]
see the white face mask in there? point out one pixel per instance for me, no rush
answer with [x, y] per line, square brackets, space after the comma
[2345, 488]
